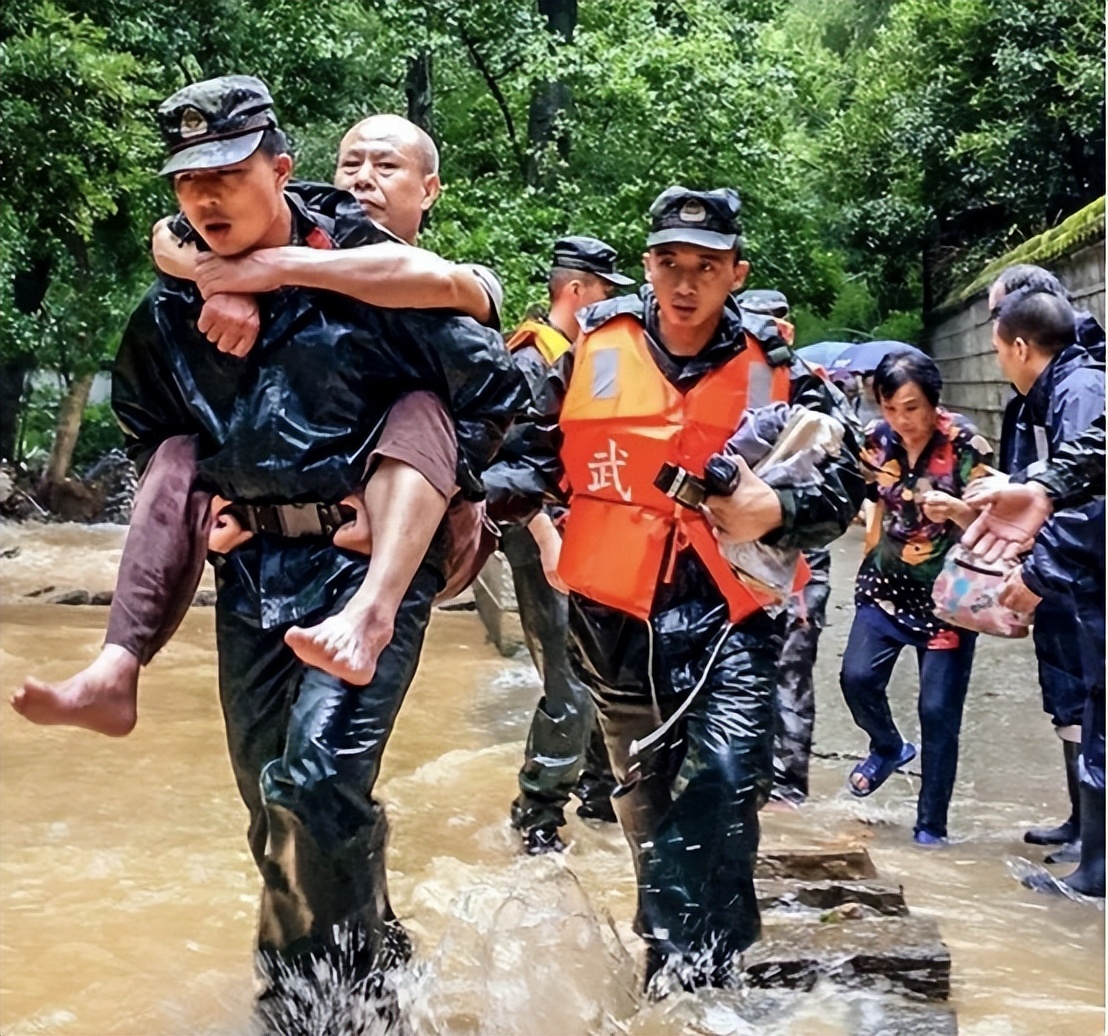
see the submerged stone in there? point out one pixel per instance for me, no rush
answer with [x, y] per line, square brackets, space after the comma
[906, 954]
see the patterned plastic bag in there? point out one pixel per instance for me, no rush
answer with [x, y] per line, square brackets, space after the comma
[965, 595]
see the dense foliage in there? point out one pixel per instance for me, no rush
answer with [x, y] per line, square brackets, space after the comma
[884, 148]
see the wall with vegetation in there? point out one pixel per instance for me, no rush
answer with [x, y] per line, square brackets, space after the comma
[961, 337]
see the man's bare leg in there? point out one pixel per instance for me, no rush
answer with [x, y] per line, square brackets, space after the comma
[162, 560]
[404, 512]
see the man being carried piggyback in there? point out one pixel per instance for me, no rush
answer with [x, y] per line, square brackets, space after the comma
[284, 435]
[391, 166]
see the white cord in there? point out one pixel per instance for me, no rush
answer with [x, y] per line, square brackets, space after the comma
[650, 674]
[646, 742]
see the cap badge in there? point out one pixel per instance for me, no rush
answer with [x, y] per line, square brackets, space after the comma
[193, 124]
[692, 211]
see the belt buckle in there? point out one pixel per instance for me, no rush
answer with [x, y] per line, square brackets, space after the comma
[299, 520]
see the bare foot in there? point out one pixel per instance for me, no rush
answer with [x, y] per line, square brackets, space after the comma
[346, 645]
[102, 697]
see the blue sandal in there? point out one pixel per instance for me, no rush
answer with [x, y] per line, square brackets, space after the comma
[876, 769]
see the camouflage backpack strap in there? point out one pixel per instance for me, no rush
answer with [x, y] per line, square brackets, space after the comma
[772, 334]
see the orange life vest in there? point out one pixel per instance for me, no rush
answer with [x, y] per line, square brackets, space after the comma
[551, 343]
[622, 420]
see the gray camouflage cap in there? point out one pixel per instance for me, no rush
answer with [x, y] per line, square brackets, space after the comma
[215, 123]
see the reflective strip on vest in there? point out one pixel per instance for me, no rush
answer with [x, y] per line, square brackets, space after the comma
[622, 420]
[551, 343]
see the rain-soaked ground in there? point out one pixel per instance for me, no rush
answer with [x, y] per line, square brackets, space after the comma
[128, 898]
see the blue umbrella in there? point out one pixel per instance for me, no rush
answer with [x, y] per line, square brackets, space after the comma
[865, 356]
[822, 353]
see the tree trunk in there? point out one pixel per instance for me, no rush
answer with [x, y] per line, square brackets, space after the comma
[69, 427]
[417, 88]
[13, 377]
[550, 103]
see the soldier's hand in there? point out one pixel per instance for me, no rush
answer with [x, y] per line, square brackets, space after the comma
[549, 542]
[748, 513]
[252, 274]
[231, 323]
[1014, 593]
[1011, 516]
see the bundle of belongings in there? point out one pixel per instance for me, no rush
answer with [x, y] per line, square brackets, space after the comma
[784, 446]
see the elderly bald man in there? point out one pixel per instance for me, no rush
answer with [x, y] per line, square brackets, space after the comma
[391, 167]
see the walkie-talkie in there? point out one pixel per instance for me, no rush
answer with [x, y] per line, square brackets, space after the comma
[721, 478]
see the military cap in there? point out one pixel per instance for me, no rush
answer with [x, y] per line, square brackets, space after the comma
[215, 123]
[709, 219]
[589, 254]
[766, 301]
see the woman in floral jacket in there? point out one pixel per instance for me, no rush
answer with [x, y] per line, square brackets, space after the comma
[919, 458]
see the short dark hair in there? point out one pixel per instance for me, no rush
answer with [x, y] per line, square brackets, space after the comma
[560, 276]
[274, 142]
[1025, 275]
[898, 369]
[1044, 319]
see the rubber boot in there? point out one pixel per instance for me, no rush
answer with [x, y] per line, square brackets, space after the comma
[1088, 879]
[1070, 829]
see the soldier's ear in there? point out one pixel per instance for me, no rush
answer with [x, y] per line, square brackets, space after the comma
[282, 166]
[742, 268]
[646, 266]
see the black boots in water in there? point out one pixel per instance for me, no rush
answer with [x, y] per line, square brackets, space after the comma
[1088, 879]
[1069, 830]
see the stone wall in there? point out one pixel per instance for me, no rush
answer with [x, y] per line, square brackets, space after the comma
[961, 342]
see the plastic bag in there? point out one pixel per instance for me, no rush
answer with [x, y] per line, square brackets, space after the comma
[784, 445]
[965, 595]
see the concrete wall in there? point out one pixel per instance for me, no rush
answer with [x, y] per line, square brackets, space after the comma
[962, 343]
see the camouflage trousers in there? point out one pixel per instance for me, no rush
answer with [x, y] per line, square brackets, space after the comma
[565, 752]
[796, 692]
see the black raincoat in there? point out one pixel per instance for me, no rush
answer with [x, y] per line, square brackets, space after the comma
[295, 421]
[1067, 565]
[1064, 401]
[1076, 473]
[689, 807]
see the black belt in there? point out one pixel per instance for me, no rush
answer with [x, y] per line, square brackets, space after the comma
[292, 520]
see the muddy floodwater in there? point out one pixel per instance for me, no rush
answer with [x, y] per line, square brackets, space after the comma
[128, 898]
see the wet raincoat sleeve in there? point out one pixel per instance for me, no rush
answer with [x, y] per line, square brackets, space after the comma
[472, 371]
[1079, 403]
[1076, 474]
[1068, 557]
[528, 472]
[146, 395]
[813, 516]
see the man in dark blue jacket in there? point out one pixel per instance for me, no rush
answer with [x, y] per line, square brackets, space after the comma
[1058, 375]
[1063, 579]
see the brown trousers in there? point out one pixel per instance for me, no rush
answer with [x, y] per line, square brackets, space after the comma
[167, 542]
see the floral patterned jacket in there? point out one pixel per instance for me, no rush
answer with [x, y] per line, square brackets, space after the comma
[898, 572]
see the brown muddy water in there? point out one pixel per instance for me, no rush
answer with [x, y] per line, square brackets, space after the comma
[127, 898]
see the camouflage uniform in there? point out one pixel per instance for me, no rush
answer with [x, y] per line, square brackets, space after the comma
[796, 692]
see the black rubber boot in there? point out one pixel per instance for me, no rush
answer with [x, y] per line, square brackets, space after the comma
[1070, 829]
[1088, 879]
[1068, 853]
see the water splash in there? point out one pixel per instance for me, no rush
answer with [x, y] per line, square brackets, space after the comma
[1023, 870]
